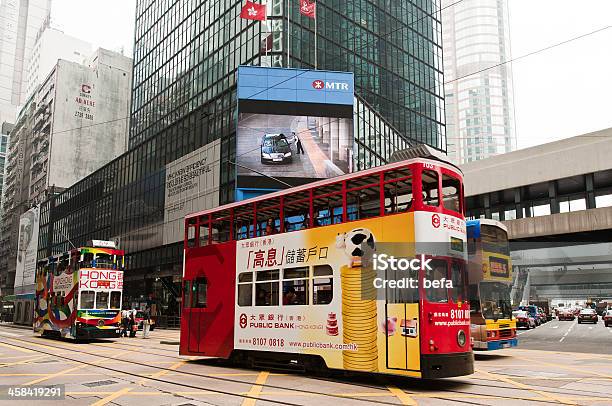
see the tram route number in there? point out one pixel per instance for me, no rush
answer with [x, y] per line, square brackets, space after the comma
[268, 342]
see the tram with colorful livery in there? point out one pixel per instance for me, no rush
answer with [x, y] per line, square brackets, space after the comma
[287, 278]
[79, 293]
[490, 282]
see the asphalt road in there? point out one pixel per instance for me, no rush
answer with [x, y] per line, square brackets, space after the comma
[134, 372]
[568, 336]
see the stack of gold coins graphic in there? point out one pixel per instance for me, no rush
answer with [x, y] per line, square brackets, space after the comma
[359, 318]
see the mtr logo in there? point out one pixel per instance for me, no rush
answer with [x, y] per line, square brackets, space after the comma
[320, 85]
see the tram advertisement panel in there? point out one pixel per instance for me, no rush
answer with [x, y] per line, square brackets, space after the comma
[311, 292]
[55, 307]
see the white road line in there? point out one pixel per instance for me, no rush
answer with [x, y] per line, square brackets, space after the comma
[555, 327]
[10, 334]
[567, 332]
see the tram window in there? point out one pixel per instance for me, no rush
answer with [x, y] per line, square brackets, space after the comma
[115, 300]
[266, 294]
[191, 233]
[87, 299]
[430, 188]
[398, 196]
[438, 271]
[204, 234]
[243, 222]
[295, 286]
[187, 294]
[245, 289]
[327, 210]
[268, 217]
[88, 260]
[200, 286]
[322, 285]
[450, 193]
[457, 277]
[407, 295]
[297, 210]
[220, 231]
[101, 300]
[363, 203]
[295, 273]
[103, 261]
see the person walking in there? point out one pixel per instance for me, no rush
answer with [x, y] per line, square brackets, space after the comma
[132, 326]
[298, 144]
[125, 321]
[146, 322]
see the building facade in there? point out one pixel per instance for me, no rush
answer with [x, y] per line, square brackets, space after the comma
[5, 129]
[20, 22]
[50, 46]
[479, 106]
[74, 123]
[184, 97]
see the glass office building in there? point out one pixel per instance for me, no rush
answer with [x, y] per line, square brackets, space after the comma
[184, 96]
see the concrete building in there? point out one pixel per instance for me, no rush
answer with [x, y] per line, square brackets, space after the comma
[479, 107]
[20, 23]
[556, 200]
[74, 123]
[5, 129]
[52, 45]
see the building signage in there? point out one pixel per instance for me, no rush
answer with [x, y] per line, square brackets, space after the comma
[26, 251]
[295, 85]
[85, 103]
[192, 184]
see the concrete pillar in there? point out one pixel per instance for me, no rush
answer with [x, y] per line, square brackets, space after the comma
[590, 191]
[487, 205]
[517, 203]
[552, 195]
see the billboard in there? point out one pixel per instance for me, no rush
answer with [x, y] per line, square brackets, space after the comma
[192, 184]
[26, 251]
[294, 125]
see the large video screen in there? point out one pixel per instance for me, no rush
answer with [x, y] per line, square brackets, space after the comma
[293, 125]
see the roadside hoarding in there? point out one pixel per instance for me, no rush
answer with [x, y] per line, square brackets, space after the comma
[26, 251]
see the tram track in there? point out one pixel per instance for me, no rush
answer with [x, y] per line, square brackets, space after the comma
[269, 386]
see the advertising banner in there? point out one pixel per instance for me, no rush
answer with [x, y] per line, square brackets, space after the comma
[294, 125]
[192, 184]
[26, 251]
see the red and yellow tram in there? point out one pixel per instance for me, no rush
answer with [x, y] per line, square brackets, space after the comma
[283, 277]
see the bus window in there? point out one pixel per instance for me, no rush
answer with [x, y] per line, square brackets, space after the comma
[200, 286]
[87, 299]
[437, 272]
[245, 289]
[101, 300]
[450, 193]
[457, 277]
[115, 300]
[191, 233]
[474, 299]
[322, 285]
[430, 188]
[266, 293]
[295, 286]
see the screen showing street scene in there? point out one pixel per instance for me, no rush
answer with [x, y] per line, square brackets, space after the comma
[291, 146]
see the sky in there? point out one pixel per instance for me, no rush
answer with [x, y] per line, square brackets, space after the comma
[558, 93]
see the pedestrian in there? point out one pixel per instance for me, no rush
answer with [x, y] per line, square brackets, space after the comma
[146, 322]
[125, 321]
[298, 144]
[132, 326]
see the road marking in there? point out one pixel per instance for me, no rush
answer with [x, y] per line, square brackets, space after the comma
[112, 397]
[402, 396]
[17, 348]
[256, 389]
[520, 385]
[4, 333]
[555, 327]
[25, 361]
[163, 372]
[561, 366]
[567, 332]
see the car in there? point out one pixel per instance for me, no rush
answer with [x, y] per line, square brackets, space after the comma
[533, 312]
[607, 318]
[542, 316]
[275, 149]
[566, 314]
[587, 315]
[523, 319]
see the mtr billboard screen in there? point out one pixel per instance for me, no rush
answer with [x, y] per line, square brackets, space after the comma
[293, 124]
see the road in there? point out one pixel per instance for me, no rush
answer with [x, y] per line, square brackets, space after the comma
[132, 371]
[568, 336]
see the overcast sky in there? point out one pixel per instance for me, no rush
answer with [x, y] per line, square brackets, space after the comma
[558, 93]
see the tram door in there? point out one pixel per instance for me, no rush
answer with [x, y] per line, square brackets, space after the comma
[402, 326]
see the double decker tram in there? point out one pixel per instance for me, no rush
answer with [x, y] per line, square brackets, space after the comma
[79, 293]
[282, 278]
[489, 285]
